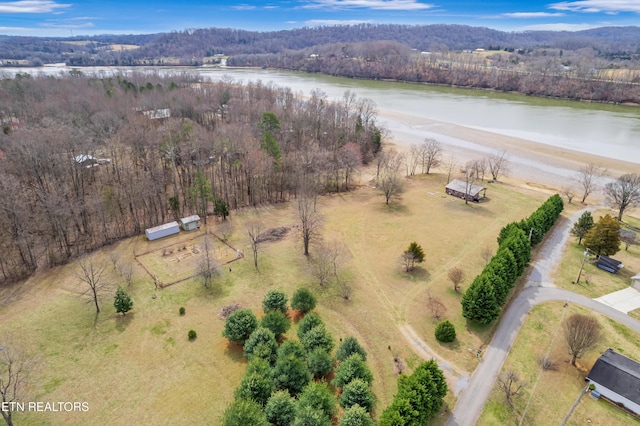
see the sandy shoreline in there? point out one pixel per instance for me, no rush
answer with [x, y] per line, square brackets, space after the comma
[531, 162]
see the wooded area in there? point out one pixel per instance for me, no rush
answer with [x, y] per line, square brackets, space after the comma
[87, 161]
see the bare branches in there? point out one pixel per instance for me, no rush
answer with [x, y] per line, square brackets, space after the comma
[581, 333]
[389, 181]
[254, 230]
[309, 218]
[92, 274]
[208, 267]
[589, 177]
[456, 276]
[569, 192]
[431, 154]
[509, 383]
[15, 366]
[498, 164]
[436, 307]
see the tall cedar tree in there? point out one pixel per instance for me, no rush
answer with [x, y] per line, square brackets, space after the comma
[604, 237]
[122, 302]
[582, 226]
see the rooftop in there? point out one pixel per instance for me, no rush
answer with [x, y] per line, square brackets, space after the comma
[617, 373]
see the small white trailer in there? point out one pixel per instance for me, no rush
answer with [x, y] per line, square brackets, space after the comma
[163, 230]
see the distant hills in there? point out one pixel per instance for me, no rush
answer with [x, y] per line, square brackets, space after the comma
[193, 46]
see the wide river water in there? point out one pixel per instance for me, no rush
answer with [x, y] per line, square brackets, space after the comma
[409, 110]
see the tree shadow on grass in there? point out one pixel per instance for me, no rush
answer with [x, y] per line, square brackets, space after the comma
[394, 208]
[235, 352]
[416, 274]
[454, 346]
[123, 321]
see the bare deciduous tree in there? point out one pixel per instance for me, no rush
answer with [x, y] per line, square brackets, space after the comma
[309, 218]
[498, 164]
[623, 192]
[436, 307]
[588, 177]
[582, 333]
[569, 192]
[254, 229]
[450, 165]
[628, 238]
[126, 271]
[431, 154]
[225, 230]
[469, 179]
[456, 276]
[486, 253]
[15, 366]
[208, 267]
[91, 274]
[390, 182]
[412, 160]
[510, 384]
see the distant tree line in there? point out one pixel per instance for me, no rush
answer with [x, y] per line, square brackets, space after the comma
[483, 300]
[87, 161]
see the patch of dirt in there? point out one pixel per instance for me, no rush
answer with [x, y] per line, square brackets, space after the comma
[274, 234]
[228, 310]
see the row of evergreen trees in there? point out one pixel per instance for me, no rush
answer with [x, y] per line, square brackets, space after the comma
[484, 299]
[286, 384]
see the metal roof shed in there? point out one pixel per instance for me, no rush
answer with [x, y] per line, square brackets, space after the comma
[163, 230]
[190, 223]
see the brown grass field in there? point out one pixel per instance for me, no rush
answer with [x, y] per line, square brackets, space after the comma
[550, 394]
[141, 368]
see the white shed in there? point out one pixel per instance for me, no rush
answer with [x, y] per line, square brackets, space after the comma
[190, 223]
[163, 230]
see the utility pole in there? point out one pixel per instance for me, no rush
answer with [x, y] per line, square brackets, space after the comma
[586, 252]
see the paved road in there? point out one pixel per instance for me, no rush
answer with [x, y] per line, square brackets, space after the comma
[538, 289]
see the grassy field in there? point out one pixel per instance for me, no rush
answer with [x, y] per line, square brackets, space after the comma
[141, 368]
[548, 395]
[595, 282]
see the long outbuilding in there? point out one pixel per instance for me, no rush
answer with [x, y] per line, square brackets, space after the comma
[163, 230]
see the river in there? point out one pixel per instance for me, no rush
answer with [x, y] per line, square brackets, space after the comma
[412, 112]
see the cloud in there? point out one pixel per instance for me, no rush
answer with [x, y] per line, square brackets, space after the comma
[598, 6]
[15, 29]
[330, 22]
[526, 15]
[61, 25]
[369, 4]
[243, 7]
[560, 27]
[31, 6]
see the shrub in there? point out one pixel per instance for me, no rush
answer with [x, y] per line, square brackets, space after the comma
[303, 300]
[280, 409]
[445, 331]
[239, 325]
[350, 346]
[181, 310]
[357, 392]
[275, 300]
[277, 322]
[309, 321]
[262, 344]
[122, 302]
[317, 338]
[351, 368]
[320, 363]
[192, 334]
[356, 416]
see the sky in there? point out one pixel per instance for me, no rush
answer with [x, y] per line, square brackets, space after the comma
[62, 18]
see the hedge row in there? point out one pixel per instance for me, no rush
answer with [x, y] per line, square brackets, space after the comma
[484, 299]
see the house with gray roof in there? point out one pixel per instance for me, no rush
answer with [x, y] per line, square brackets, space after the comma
[462, 189]
[617, 378]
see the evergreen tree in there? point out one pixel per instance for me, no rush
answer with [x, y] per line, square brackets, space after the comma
[291, 373]
[275, 300]
[445, 331]
[320, 363]
[243, 412]
[311, 320]
[350, 346]
[280, 409]
[277, 322]
[262, 344]
[239, 325]
[351, 368]
[317, 338]
[255, 387]
[412, 255]
[291, 347]
[582, 226]
[357, 392]
[318, 396]
[356, 416]
[604, 237]
[479, 302]
[303, 300]
[122, 302]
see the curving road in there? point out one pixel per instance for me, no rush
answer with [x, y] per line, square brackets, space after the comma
[538, 289]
